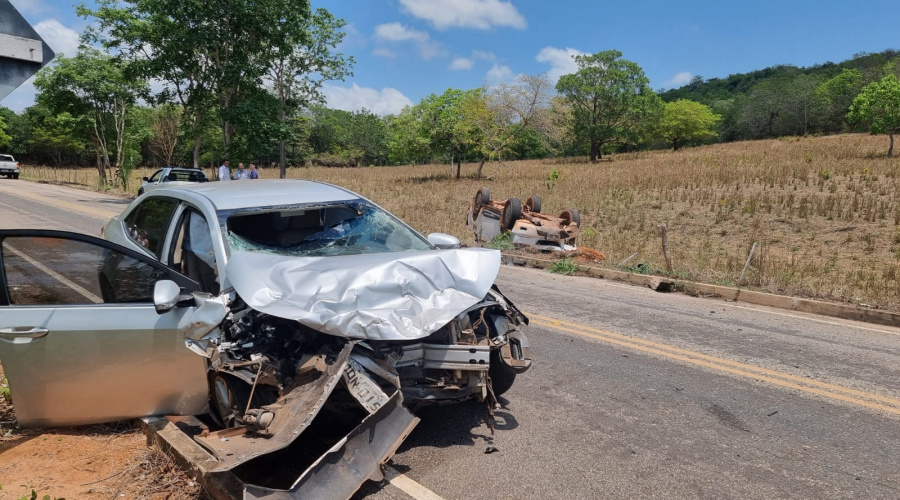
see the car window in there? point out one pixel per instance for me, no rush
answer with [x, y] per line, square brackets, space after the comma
[6, 158]
[146, 225]
[344, 228]
[49, 270]
[155, 176]
[192, 252]
[186, 176]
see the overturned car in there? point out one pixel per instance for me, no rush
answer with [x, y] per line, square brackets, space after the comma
[306, 325]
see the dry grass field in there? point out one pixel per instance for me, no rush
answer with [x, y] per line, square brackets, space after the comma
[824, 211]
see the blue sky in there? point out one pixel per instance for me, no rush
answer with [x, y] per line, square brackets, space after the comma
[407, 49]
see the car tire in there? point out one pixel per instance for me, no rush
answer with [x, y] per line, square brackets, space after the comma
[502, 377]
[533, 204]
[15, 176]
[512, 212]
[482, 198]
[229, 395]
[570, 216]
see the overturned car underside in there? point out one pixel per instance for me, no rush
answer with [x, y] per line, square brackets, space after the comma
[311, 384]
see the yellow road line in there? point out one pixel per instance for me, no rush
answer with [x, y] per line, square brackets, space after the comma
[868, 400]
[68, 205]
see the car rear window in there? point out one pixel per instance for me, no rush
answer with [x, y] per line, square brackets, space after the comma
[186, 175]
[6, 158]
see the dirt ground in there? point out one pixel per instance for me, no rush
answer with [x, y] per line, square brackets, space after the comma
[97, 461]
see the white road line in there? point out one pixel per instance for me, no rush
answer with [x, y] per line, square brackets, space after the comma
[408, 486]
[58, 277]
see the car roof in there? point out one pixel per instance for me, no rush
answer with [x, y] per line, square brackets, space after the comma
[230, 195]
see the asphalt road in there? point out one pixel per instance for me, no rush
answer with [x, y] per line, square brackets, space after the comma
[637, 394]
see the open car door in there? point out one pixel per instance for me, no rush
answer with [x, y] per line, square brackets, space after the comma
[80, 339]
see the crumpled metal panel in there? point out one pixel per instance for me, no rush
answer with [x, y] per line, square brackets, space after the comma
[299, 407]
[389, 296]
[356, 458]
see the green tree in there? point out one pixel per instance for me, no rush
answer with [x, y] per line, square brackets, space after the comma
[57, 135]
[608, 96]
[444, 122]
[685, 120]
[833, 98]
[5, 139]
[96, 85]
[215, 57]
[878, 108]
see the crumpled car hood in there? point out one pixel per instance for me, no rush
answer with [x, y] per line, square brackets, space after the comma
[390, 296]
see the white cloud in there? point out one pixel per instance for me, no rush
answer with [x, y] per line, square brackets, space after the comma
[398, 33]
[562, 61]
[483, 54]
[60, 38]
[462, 63]
[500, 74]
[479, 14]
[680, 79]
[382, 52]
[385, 101]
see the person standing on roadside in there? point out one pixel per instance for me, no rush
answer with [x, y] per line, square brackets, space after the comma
[224, 171]
[240, 174]
[253, 172]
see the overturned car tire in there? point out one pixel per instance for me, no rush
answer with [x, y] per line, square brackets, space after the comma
[502, 377]
[512, 212]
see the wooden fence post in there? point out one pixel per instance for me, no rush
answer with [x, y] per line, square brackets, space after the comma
[747, 264]
[664, 233]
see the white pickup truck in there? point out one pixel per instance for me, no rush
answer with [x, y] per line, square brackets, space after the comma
[9, 166]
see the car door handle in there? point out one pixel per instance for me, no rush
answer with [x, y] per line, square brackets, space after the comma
[20, 333]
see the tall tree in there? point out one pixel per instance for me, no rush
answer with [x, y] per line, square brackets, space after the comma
[877, 107]
[165, 122]
[300, 68]
[685, 120]
[606, 94]
[93, 84]
[444, 122]
[214, 55]
[507, 110]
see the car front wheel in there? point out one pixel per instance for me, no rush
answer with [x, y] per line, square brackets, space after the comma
[502, 377]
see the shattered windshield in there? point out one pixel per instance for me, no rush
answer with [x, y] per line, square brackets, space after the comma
[344, 228]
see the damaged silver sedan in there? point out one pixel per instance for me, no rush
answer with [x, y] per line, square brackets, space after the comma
[303, 318]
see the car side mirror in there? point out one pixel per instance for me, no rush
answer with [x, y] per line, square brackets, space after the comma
[145, 179]
[443, 241]
[167, 295]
